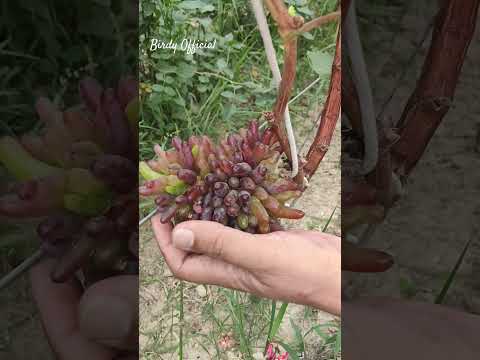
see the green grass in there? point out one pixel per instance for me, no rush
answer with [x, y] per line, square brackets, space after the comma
[217, 91]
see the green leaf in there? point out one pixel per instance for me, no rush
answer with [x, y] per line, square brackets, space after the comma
[228, 94]
[196, 5]
[222, 64]
[292, 354]
[321, 62]
[278, 320]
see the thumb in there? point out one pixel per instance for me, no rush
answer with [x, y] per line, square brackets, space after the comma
[230, 245]
[108, 312]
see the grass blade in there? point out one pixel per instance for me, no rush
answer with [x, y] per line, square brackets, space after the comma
[329, 220]
[443, 293]
[180, 341]
[272, 320]
[278, 320]
[292, 354]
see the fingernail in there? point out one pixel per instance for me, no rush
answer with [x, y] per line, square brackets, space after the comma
[107, 319]
[183, 239]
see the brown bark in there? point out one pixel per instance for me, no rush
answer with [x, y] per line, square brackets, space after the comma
[431, 99]
[322, 20]
[289, 28]
[284, 92]
[331, 112]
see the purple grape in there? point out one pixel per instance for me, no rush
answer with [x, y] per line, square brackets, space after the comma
[241, 169]
[181, 199]
[220, 188]
[207, 199]
[163, 199]
[246, 209]
[258, 174]
[168, 214]
[210, 179]
[233, 210]
[217, 201]
[197, 208]
[220, 215]
[244, 196]
[234, 182]
[187, 176]
[220, 175]
[248, 184]
[207, 214]
[237, 157]
[231, 198]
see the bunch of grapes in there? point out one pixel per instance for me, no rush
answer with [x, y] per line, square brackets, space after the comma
[241, 182]
[79, 175]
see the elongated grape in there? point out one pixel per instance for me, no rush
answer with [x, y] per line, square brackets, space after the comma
[168, 214]
[233, 210]
[237, 157]
[241, 169]
[231, 198]
[288, 195]
[247, 184]
[258, 174]
[220, 188]
[234, 182]
[244, 197]
[210, 179]
[242, 221]
[181, 199]
[217, 201]
[207, 199]
[207, 213]
[163, 199]
[220, 215]
[187, 175]
[261, 214]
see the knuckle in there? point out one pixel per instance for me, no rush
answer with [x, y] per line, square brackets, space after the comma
[217, 245]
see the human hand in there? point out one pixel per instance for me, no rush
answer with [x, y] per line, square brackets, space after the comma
[100, 323]
[383, 328]
[295, 266]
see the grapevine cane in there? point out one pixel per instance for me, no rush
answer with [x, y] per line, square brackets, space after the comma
[434, 93]
[428, 104]
[330, 115]
[289, 28]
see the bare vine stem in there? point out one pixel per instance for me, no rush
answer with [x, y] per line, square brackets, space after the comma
[257, 6]
[289, 27]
